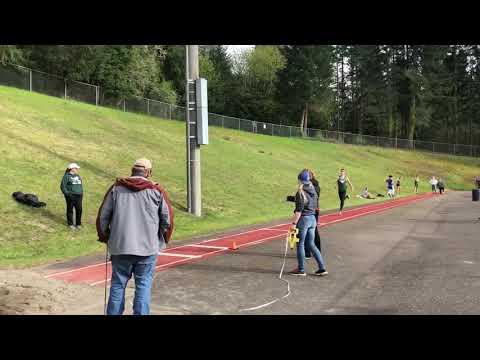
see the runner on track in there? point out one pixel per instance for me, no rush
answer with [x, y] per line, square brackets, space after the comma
[342, 182]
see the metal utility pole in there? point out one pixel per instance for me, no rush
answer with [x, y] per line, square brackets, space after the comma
[194, 198]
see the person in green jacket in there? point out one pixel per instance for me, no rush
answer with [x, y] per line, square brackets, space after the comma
[72, 189]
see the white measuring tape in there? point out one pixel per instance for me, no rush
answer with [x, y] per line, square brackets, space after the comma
[280, 277]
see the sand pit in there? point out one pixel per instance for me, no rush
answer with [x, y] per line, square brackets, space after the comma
[23, 292]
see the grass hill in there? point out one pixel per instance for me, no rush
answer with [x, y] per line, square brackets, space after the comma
[245, 177]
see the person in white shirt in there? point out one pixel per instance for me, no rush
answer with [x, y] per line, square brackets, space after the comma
[433, 181]
[365, 194]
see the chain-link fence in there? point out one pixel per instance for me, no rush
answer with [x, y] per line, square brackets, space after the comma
[33, 80]
[38, 81]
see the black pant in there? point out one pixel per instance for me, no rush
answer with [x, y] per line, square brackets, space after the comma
[342, 195]
[74, 201]
[441, 190]
[317, 240]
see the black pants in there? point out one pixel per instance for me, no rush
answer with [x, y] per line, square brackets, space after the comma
[74, 201]
[342, 195]
[317, 240]
[441, 190]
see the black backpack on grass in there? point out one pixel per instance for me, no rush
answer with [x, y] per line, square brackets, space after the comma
[28, 199]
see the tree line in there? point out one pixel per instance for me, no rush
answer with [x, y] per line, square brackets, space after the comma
[423, 92]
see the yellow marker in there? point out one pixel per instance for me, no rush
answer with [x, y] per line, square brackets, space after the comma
[292, 237]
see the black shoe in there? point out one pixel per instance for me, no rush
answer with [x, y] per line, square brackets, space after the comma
[297, 272]
[321, 272]
[308, 257]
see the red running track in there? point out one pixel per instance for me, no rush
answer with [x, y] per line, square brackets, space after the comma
[95, 274]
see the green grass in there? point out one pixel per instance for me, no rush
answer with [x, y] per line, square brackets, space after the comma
[245, 177]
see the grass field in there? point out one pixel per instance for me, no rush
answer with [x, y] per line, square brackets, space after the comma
[245, 177]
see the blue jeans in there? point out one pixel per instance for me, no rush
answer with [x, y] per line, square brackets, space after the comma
[317, 239]
[306, 234]
[143, 269]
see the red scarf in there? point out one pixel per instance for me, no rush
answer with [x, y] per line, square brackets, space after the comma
[137, 184]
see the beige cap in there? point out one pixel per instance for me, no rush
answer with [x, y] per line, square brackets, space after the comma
[73, 166]
[143, 163]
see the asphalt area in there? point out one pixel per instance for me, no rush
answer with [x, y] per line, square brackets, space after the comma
[421, 258]
[418, 258]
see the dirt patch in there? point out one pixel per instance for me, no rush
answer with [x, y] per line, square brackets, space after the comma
[23, 292]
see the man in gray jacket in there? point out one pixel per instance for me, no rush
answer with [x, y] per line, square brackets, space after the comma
[136, 221]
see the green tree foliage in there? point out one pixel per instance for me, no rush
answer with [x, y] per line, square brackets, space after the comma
[429, 92]
[409, 91]
[75, 62]
[304, 84]
[174, 69]
[120, 70]
[134, 71]
[255, 82]
[11, 54]
[220, 79]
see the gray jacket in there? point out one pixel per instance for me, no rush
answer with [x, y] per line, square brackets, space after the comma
[135, 221]
[307, 208]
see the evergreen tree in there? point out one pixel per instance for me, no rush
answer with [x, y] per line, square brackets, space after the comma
[304, 83]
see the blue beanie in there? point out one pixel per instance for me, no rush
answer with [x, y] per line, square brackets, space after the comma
[304, 177]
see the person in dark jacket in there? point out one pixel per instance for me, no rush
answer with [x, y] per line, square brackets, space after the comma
[306, 202]
[342, 183]
[316, 186]
[441, 186]
[290, 198]
[72, 189]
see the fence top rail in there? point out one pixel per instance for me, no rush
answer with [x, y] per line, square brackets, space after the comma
[18, 66]
[45, 73]
[253, 121]
[52, 75]
[81, 82]
[160, 102]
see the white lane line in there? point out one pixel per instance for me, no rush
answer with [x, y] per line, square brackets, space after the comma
[170, 263]
[76, 269]
[355, 216]
[179, 255]
[242, 233]
[266, 239]
[397, 202]
[208, 246]
[361, 214]
[256, 242]
[214, 252]
[156, 268]
[176, 247]
[99, 282]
